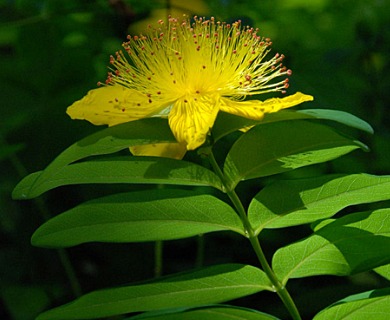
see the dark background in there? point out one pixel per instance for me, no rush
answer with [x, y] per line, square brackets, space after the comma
[53, 51]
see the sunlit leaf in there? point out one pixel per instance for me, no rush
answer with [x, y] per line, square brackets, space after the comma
[149, 215]
[351, 244]
[384, 271]
[283, 146]
[292, 202]
[369, 305]
[209, 285]
[119, 170]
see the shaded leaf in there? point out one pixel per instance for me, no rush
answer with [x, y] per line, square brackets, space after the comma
[209, 285]
[373, 304]
[213, 312]
[293, 202]
[119, 170]
[109, 140]
[23, 302]
[339, 116]
[355, 243]
[227, 123]
[283, 146]
[148, 215]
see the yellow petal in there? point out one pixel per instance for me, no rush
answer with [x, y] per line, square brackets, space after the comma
[255, 109]
[165, 150]
[112, 105]
[191, 119]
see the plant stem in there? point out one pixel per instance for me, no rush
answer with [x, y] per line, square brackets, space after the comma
[158, 258]
[200, 251]
[277, 285]
[44, 211]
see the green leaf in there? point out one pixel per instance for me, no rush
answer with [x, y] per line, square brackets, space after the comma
[339, 116]
[119, 170]
[209, 285]
[227, 123]
[212, 312]
[149, 215]
[384, 271]
[24, 302]
[110, 140]
[355, 243]
[283, 146]
[293, 202]
[371, 305]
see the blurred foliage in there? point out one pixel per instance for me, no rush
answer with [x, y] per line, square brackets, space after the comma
[53, 51]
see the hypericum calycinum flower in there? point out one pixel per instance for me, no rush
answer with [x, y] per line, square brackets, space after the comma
[189, 72]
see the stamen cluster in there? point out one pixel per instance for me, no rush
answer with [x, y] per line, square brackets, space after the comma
[181, 60]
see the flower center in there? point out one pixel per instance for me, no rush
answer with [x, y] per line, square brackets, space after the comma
[183, 60]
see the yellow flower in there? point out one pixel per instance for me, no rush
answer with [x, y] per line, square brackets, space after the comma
[188, 72]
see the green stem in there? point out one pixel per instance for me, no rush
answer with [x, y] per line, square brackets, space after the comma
[44, 211]
[277, 285]
[200, 251]
[158, 258]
